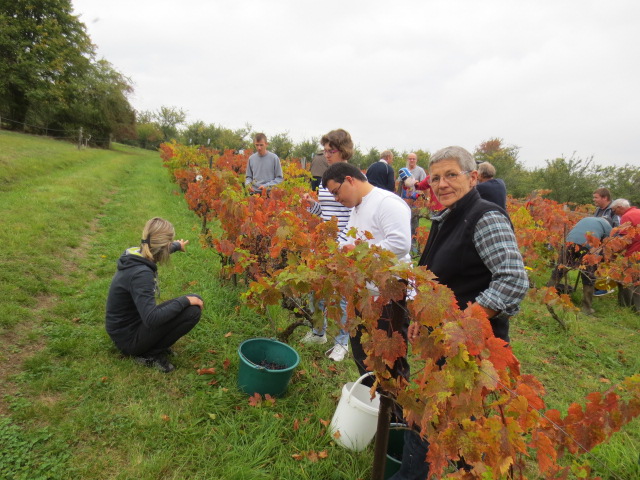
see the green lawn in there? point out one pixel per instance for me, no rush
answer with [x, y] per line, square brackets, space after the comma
[72, 407]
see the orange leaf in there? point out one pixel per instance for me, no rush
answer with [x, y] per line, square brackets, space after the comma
[228, 334]
[255, 400]
[165, 418]
[296, 425]
[207, 371]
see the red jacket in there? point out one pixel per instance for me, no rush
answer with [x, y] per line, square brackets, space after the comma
[632, 215]
[434, 204]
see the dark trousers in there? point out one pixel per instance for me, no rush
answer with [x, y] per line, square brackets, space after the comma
[155, 340]
[394, 318]
[573, 257]
[629, 296]
[414, 452]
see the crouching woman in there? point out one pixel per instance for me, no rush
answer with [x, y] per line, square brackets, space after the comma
[138, 326]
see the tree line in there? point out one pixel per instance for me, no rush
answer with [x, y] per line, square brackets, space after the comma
[51, 82]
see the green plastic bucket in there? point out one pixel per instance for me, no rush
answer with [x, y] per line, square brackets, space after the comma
[266, 366]
[394, 449]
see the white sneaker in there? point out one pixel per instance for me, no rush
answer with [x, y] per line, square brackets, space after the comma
[337, 353]
[311, 337]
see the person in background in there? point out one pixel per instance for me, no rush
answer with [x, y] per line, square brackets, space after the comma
[380, 174]
[137, 326]
[407, 178]
[263, 168]
[472, 249]
[628, 296]
[425, 186]
[338, 147]
[577, 247]
[490, 188]
[387, 218]
[319, 165]
[602, 201]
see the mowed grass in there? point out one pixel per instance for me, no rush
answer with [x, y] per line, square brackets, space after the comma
[72, 407]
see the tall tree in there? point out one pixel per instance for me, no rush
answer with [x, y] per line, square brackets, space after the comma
[306, 149]
[281, 145]
[570, 180]
[169, 118]
[42, 44]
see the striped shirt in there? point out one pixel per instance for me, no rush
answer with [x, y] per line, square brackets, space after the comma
[496, 245]
[327, 207]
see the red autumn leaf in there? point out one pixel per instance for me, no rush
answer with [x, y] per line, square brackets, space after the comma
[165, 418]
[296, 425]
[226, 364]
[324, 422]
[207, 371]
[255, 400]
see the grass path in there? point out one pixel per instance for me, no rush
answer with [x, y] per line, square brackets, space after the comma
[92, 414]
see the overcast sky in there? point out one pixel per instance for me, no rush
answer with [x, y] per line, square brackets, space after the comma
[553, 77]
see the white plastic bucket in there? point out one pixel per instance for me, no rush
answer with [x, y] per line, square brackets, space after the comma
[356, 419]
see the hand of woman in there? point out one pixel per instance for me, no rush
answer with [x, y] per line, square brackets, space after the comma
[307, 199]
[183, 244]
[196, 301]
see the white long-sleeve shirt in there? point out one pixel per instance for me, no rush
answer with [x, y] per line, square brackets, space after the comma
[387, 217]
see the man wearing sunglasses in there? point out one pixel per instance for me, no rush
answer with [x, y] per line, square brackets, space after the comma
[387, 219]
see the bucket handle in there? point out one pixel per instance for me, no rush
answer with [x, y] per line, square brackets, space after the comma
[249, 362]
[359, 381]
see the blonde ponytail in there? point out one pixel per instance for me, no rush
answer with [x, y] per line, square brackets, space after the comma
[157, 237]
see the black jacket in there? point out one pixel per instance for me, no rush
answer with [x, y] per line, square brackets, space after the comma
[131, 301]
[381, 175]
[452, 256]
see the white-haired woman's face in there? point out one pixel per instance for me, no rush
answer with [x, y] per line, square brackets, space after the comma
[449, 182]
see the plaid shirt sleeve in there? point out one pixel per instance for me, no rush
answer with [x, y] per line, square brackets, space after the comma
[496, 244]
